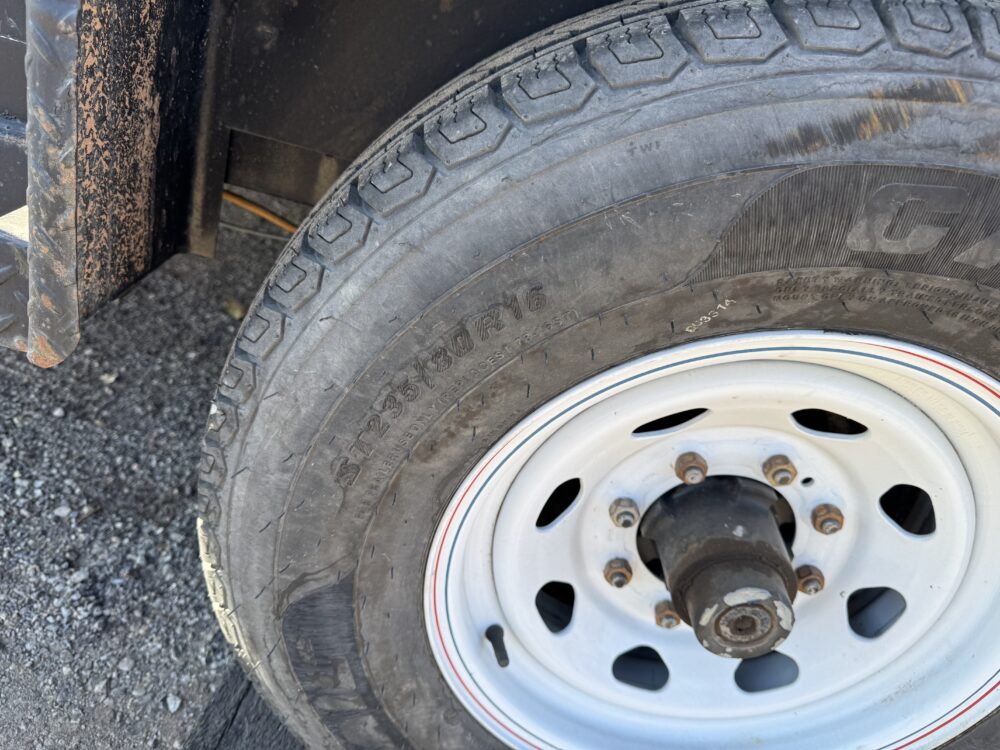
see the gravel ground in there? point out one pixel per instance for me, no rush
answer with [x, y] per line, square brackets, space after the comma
[105, 630]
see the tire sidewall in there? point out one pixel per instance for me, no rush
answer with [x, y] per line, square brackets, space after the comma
[381, 443]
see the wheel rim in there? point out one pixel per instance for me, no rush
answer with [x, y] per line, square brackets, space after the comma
[894, 652]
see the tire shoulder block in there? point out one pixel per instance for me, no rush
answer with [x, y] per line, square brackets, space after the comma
[473, 126]
[297, 283]
[554, 84]
[397, 179]
[850, 26]
[262, 332]
[732, 32]
[339, 230]
[984, 19]
[930, 27]
[644, 52]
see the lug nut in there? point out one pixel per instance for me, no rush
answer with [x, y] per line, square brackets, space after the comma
[666, 615]
[779, 470]
[624, 512]
[691, 468]
[811, 580]
[827, 519]
[618, 572]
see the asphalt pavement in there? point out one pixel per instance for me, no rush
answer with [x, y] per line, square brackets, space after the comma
[106, 634]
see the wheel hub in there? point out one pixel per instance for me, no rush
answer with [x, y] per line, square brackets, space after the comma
[725, 563]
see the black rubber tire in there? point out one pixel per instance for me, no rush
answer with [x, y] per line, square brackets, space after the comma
[630, 181]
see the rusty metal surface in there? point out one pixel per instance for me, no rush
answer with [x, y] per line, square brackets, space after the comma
[112, 117]
[53, 311]
[118, 113]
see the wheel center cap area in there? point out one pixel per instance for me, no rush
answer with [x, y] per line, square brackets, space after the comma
[725, 563]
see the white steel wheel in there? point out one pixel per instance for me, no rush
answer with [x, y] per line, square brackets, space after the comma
[893, 644]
